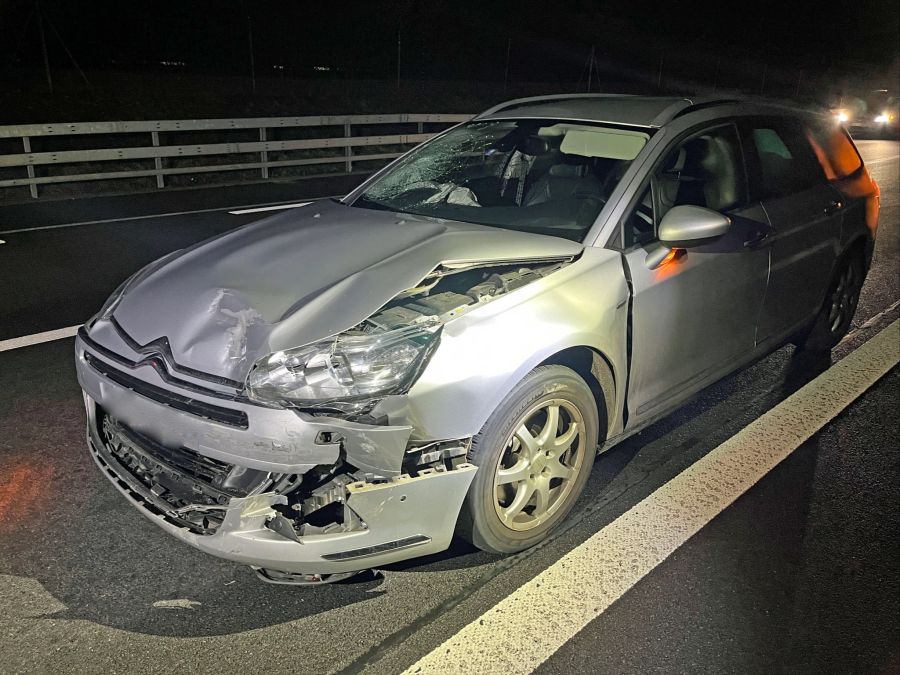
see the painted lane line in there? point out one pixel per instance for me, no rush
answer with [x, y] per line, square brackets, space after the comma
[149, 216]
[883, 160]
[38, 338]
[870, 322]
[260, 209]
[555, 605]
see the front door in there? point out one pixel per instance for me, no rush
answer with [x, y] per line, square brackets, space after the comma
[695, 315]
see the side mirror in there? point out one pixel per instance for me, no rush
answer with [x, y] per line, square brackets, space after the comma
[683, 226]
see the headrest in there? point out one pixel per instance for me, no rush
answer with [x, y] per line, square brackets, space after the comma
[567, 170]
[534, 145]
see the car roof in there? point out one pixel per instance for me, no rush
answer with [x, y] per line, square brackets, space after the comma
[622, 109]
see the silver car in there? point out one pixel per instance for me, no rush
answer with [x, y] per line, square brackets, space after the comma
[447, 348]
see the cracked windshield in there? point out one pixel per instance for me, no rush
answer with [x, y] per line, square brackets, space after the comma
[541, 176]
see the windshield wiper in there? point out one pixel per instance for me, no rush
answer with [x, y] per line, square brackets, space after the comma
[368, 203]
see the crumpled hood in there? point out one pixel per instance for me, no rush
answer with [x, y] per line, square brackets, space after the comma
[298, 277]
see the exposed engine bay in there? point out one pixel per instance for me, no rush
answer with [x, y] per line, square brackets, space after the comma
[450, 290]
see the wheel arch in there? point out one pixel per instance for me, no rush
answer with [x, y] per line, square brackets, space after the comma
[595, 369]
[862, 246]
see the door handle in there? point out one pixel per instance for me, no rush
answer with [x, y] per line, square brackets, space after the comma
[760, 239]
[833, 207]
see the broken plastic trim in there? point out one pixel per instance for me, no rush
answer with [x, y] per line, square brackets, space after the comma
[367, 551]
[298, 579]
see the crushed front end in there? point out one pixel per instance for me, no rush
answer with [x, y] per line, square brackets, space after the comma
[270, 488]
[297, 471]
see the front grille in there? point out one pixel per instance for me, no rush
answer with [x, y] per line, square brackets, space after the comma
[188, 488]
[229, 416]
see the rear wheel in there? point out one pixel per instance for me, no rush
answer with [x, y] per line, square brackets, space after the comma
[534, 454]
[834, 319]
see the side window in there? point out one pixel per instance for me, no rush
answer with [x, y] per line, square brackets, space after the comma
[787, 163]
[705, 169]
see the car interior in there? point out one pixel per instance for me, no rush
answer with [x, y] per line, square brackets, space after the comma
[540, 176]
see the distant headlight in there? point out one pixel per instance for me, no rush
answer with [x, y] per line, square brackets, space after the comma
[348, 368]
[882, 118]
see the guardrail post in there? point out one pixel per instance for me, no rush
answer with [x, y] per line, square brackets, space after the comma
[421, 127]
[26, 146]
[264, 154]
[348, 151]
[157, 161]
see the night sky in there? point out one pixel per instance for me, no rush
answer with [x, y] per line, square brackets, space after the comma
[440, 39]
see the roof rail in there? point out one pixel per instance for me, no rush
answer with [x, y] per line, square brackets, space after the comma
[782, 105]
[516, 102]
[697, 103]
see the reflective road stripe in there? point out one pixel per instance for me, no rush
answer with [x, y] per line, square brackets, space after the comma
[38, 338]
[260, 209]
[551, 608]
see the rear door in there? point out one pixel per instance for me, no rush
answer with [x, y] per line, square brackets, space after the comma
[695, 315]
[805, 212]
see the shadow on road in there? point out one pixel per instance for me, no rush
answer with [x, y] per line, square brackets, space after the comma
[104, 562]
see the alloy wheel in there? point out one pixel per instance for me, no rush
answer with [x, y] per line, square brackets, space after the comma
[844, 299]
[541, 459]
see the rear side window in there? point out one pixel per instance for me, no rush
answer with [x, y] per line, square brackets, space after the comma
[786, 161]
[835, 151]
[769, 143]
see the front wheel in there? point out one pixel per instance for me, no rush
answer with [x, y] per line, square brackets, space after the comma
[534, 455]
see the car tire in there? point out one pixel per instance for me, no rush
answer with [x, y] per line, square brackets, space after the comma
[525, 488]
[836, 315]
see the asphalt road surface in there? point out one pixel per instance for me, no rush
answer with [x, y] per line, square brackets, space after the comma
[799, 574]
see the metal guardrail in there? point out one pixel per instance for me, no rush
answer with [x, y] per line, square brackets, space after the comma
[159, 151]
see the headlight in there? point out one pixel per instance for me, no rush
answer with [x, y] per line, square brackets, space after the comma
[841, 116]
[350, 367]
[881, 119]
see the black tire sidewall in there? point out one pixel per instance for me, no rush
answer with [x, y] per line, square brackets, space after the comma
[479, 522]
[820, 337]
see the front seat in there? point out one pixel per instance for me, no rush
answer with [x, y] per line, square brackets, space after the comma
[708, 176]
[564, 182]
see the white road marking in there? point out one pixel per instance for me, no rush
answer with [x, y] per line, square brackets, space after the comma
[38, 338]
[883, 160]
[146, 217]
[180, 603]
[260, 209]
[870, 322]
[555, 605]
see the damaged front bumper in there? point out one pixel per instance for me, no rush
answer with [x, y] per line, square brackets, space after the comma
[227, 483]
